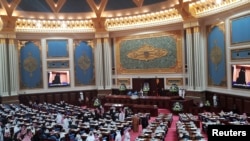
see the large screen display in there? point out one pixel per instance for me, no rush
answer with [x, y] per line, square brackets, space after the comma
[58, 78]
[241, 76]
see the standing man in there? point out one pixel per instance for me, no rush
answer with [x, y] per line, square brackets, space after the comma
[215, 101]
[121, 115]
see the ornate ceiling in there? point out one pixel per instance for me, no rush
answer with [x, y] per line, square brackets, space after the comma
[81, 9]
[104, 15]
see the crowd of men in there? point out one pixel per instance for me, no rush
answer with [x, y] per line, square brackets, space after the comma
[62, 122]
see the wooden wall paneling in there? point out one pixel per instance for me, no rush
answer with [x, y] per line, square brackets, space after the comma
[227, 101]
[135, 101]
[115, 91]
[154, 102]
[222, 101]
[57, 98]
[73, 98]
[20, 97]
[33, 98]
[49, 98]
[246, 104]
[238, 103]
[166, 104]
[160, 104]
[41, 98]
[23, 99]
[127, 101]
[65, 97]
[209, 96]
[87, 99]
[154, 84]
[90, 95]
[137, 84]
[140, 101]
[70, 97]
[230, 103]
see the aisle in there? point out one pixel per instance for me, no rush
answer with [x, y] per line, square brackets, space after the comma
[171, 135]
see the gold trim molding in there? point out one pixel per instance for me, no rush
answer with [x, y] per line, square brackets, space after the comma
[177, 81]
[125, 81]
[171, 15]
[204, 7]
[178, 12]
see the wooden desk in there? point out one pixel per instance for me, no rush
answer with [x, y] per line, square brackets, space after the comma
[152, 109]
[160, 101]
[116, 105]
[144, 101]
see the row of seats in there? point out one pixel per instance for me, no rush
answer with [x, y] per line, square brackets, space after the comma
[187, 128]
[42, 119]
[157, 129]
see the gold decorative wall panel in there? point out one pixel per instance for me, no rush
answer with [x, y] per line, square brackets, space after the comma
[150, 53]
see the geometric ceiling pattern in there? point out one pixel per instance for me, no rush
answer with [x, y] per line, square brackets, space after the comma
[105, 15]
[73, 6]
[30, 8]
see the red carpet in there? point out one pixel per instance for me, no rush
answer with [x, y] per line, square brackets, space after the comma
[171, 135]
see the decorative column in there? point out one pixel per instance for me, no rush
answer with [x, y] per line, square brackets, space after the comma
[9, 61]
[102, 55]
[99, 64]
[107, 63]
[103, 64]
[13, 68]
[199, 74]
[190, 58]
[195, 59]
[4, 70]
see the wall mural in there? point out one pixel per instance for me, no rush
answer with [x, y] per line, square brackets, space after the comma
[84, 63]
[30, 66]
[216, 56]
[240, 28]
[152, 53]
